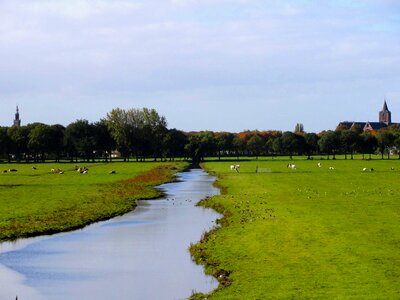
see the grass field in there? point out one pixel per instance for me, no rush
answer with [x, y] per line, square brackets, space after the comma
[305, 233]
[39, 201]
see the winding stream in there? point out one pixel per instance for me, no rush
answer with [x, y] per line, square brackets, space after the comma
[140, 255]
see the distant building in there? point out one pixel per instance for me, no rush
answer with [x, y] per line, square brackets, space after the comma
[385, 120]
[17, 121]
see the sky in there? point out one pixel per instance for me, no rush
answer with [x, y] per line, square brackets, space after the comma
[221, 65]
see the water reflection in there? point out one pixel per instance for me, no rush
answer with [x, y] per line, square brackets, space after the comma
[141, 255]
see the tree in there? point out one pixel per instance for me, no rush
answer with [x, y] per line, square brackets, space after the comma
[137, 131]
[199, 145]
[299, 128]
[19, 141]
[56, 145]
[367, 144]
[385, 142]
[118, 125]
[277, 145]
[79, 139]
[5, 143]
[174, 144]
[396, 143]
[40, 139]
[224, 143]
[290, 143]
[329, 142]
[238, 145]
[103, 141]
[349, 140]
[311, 143]
[255, 145]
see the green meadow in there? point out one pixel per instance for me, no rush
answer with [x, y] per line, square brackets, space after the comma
[41, 201]
[309, 233]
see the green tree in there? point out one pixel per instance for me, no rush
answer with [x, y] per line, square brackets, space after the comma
[104, 143]
[118, 125]
[290, 143]
[5, 143]
[311, 144]
[40, 139]
[56, 143]
[79, 139]
[349, 140]
[255, 145]
[19, 141]
[367, 144]
[385, 142]
[174, 144]
[238, 145]
[299, 128]
[329, 143]
[224, 143]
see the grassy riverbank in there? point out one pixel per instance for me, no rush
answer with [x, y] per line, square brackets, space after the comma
[305, 233]
[40, 201]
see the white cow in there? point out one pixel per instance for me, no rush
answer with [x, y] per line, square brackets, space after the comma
[235, 167]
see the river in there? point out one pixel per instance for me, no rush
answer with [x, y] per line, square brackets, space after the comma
[140, 255]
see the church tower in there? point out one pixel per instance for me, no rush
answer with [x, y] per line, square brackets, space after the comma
[17, 121]
[385, 116]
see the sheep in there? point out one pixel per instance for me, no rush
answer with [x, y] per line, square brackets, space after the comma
[392, 168]
[61, 172]
[331, 168]
[85, 172]
[364, 169]
[319, 165]
[292, 166]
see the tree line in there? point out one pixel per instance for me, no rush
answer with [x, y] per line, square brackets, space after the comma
[142, 133]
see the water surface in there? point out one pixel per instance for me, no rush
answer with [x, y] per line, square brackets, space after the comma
[140, 255]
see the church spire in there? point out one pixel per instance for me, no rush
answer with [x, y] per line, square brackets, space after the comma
[385, 116]
[385, 108]
[17, 121]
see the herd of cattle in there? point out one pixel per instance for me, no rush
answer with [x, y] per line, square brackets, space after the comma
[294, 167]
[78, 169]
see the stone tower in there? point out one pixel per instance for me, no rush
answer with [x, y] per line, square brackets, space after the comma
[385, 116]
[17, 121]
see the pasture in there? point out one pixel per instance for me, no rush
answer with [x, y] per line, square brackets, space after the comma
[55, 197]
[305, 233]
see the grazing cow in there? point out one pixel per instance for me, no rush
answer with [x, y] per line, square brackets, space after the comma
[292, 166]
[5, 171]
[34, 168]
[12, 170]
[112, 172]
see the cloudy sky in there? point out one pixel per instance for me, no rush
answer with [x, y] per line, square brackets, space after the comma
[222, 65]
